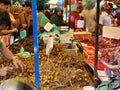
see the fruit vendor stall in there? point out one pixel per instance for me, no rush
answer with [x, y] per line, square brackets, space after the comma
[58, 71]
[54, 68]
[109, 43]
[62, 69]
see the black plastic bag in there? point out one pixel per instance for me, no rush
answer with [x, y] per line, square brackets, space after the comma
[114, 83]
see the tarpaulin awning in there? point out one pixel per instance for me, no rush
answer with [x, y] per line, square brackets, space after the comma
[56, 2]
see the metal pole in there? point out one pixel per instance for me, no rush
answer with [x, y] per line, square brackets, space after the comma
[35, 36]
[96, 38]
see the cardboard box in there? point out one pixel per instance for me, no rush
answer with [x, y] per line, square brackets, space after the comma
[81, 36]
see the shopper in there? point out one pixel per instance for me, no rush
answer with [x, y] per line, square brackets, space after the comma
[105, 17]
[5, 26]
[4, 4]
[112, 63]
[26, 18]
[117, 12]
[89, 16]
[75, 16]
[6, 38]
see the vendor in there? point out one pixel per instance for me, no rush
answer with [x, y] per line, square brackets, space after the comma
[5, 26]
[57, 18]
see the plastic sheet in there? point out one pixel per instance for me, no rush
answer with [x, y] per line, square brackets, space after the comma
[88, 4]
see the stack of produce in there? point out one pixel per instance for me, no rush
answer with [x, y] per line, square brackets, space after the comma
[58, 71]
[63, 71]
[103, 42]
[17, 71]
[27, 44]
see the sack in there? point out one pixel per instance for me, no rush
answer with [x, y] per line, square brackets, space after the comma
[114, 83]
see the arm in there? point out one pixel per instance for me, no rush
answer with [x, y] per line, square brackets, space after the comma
[22, 18]
[5, 70]
[5, 32]
[7, 53]
[100, 28]
[101, 24]
[109, 65]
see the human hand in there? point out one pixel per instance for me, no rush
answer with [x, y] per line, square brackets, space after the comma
[77, 30]
[24, 25]
[19, 64]
[64, 22]
[15, 30]
[5, 71]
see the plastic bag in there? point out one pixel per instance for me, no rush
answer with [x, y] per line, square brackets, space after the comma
[24, 54]
[114, 83]
[23, 33]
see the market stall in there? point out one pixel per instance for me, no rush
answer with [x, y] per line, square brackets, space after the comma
[63, 69]
[59, 71]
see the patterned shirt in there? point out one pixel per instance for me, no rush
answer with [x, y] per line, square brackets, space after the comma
[113, 59]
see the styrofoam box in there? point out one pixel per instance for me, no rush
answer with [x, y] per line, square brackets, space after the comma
[73, 50]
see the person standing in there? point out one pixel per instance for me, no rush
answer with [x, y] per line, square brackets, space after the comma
[57, 18]
[117, 12]
[75, 16]
[42, 19]
[105, 17]
[89, 16]
[5, 26]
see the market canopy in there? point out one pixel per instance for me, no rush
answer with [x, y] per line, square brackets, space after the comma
[56, 2]
[62, 2]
